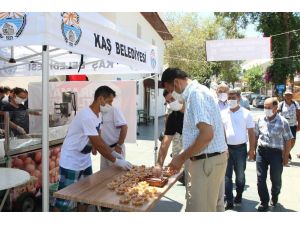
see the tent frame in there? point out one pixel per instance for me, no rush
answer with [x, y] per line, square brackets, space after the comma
[45, 116]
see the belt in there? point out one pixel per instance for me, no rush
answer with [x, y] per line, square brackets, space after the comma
[113, 145]
[237, 146]
[268, 148]
[203, 156]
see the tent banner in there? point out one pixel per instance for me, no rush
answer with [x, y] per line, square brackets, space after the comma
[125, 100]
[67, 67]
[238, 49]
[89, 34]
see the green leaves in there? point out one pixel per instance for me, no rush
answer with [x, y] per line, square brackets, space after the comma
[187, 49]
[254, 78]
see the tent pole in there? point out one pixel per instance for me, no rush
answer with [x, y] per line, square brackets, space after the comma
[45, 122]
[156, 118]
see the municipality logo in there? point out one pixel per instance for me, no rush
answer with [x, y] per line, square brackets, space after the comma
[11, 25]
[70, 28]
[153, 59]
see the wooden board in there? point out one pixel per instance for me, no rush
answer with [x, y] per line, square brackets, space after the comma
[92, 190]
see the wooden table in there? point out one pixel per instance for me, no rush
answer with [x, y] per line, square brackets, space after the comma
[92, 190]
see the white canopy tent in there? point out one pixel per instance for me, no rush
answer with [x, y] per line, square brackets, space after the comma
[63, 36]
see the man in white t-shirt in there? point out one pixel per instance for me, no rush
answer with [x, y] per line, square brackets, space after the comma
[239, 125]
[290, 110]
[113, 131]
[75, 160]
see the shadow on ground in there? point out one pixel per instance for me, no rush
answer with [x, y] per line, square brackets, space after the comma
[146, 131]
[246, 206]
[295, 164]
[168, 205]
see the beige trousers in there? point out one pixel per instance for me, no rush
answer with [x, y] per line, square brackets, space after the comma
[104, 163]
[207, 176]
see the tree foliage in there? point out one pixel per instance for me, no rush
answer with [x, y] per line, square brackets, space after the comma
[187, 49]
[283, 45]
[254, 78]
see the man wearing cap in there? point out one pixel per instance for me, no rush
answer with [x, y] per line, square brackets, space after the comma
[290, 110]
[273, 146]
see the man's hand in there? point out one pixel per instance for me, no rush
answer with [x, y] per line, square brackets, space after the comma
[157, 171]
[20, 130]
[251, 154]
[298, 128]
[177, 162]
[123, 164]
[94, 150]
[285, 160]
[118, 149]
[117, 155]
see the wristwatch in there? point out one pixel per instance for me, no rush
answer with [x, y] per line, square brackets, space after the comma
[119, 145]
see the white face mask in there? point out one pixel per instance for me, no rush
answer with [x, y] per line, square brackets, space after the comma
[232, 104]
[177, 96]
[175, 106]
[19, 100]
[268, 112]
[105, 109]
[223, 97]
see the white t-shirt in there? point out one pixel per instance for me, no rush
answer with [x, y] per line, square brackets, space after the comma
[84, 124]
[289, 112]
[112, 120]
[236, 125]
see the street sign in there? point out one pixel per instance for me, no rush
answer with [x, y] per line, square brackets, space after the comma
[280, 88]
[238, 49]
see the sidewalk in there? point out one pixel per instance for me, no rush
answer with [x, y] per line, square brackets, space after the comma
[174, 201]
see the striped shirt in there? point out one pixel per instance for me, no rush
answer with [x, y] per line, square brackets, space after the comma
[274, 133]
[202, 107]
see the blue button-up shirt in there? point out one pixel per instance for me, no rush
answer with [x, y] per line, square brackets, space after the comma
[202, 107]
[274, 133]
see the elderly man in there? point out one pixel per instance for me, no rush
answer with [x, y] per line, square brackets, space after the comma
[222, 93]
[273, 136]
[290, 110]
[237, 122]
[203, 140]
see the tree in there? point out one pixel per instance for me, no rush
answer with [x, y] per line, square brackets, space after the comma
[187, 49]
[284, 44]
[254, 78]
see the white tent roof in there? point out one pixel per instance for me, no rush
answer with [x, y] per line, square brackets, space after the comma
[106, 47]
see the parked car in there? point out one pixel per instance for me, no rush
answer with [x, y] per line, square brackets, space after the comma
[259, 101]
[252, 97]
[247, 95]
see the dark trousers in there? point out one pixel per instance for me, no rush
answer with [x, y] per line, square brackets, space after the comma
[266, 157]
[237, 163]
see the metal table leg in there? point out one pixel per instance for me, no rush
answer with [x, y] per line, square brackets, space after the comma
[4, 199]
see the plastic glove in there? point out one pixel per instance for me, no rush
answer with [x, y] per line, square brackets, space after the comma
[20, 130]
[117, 155]
[123, 164]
